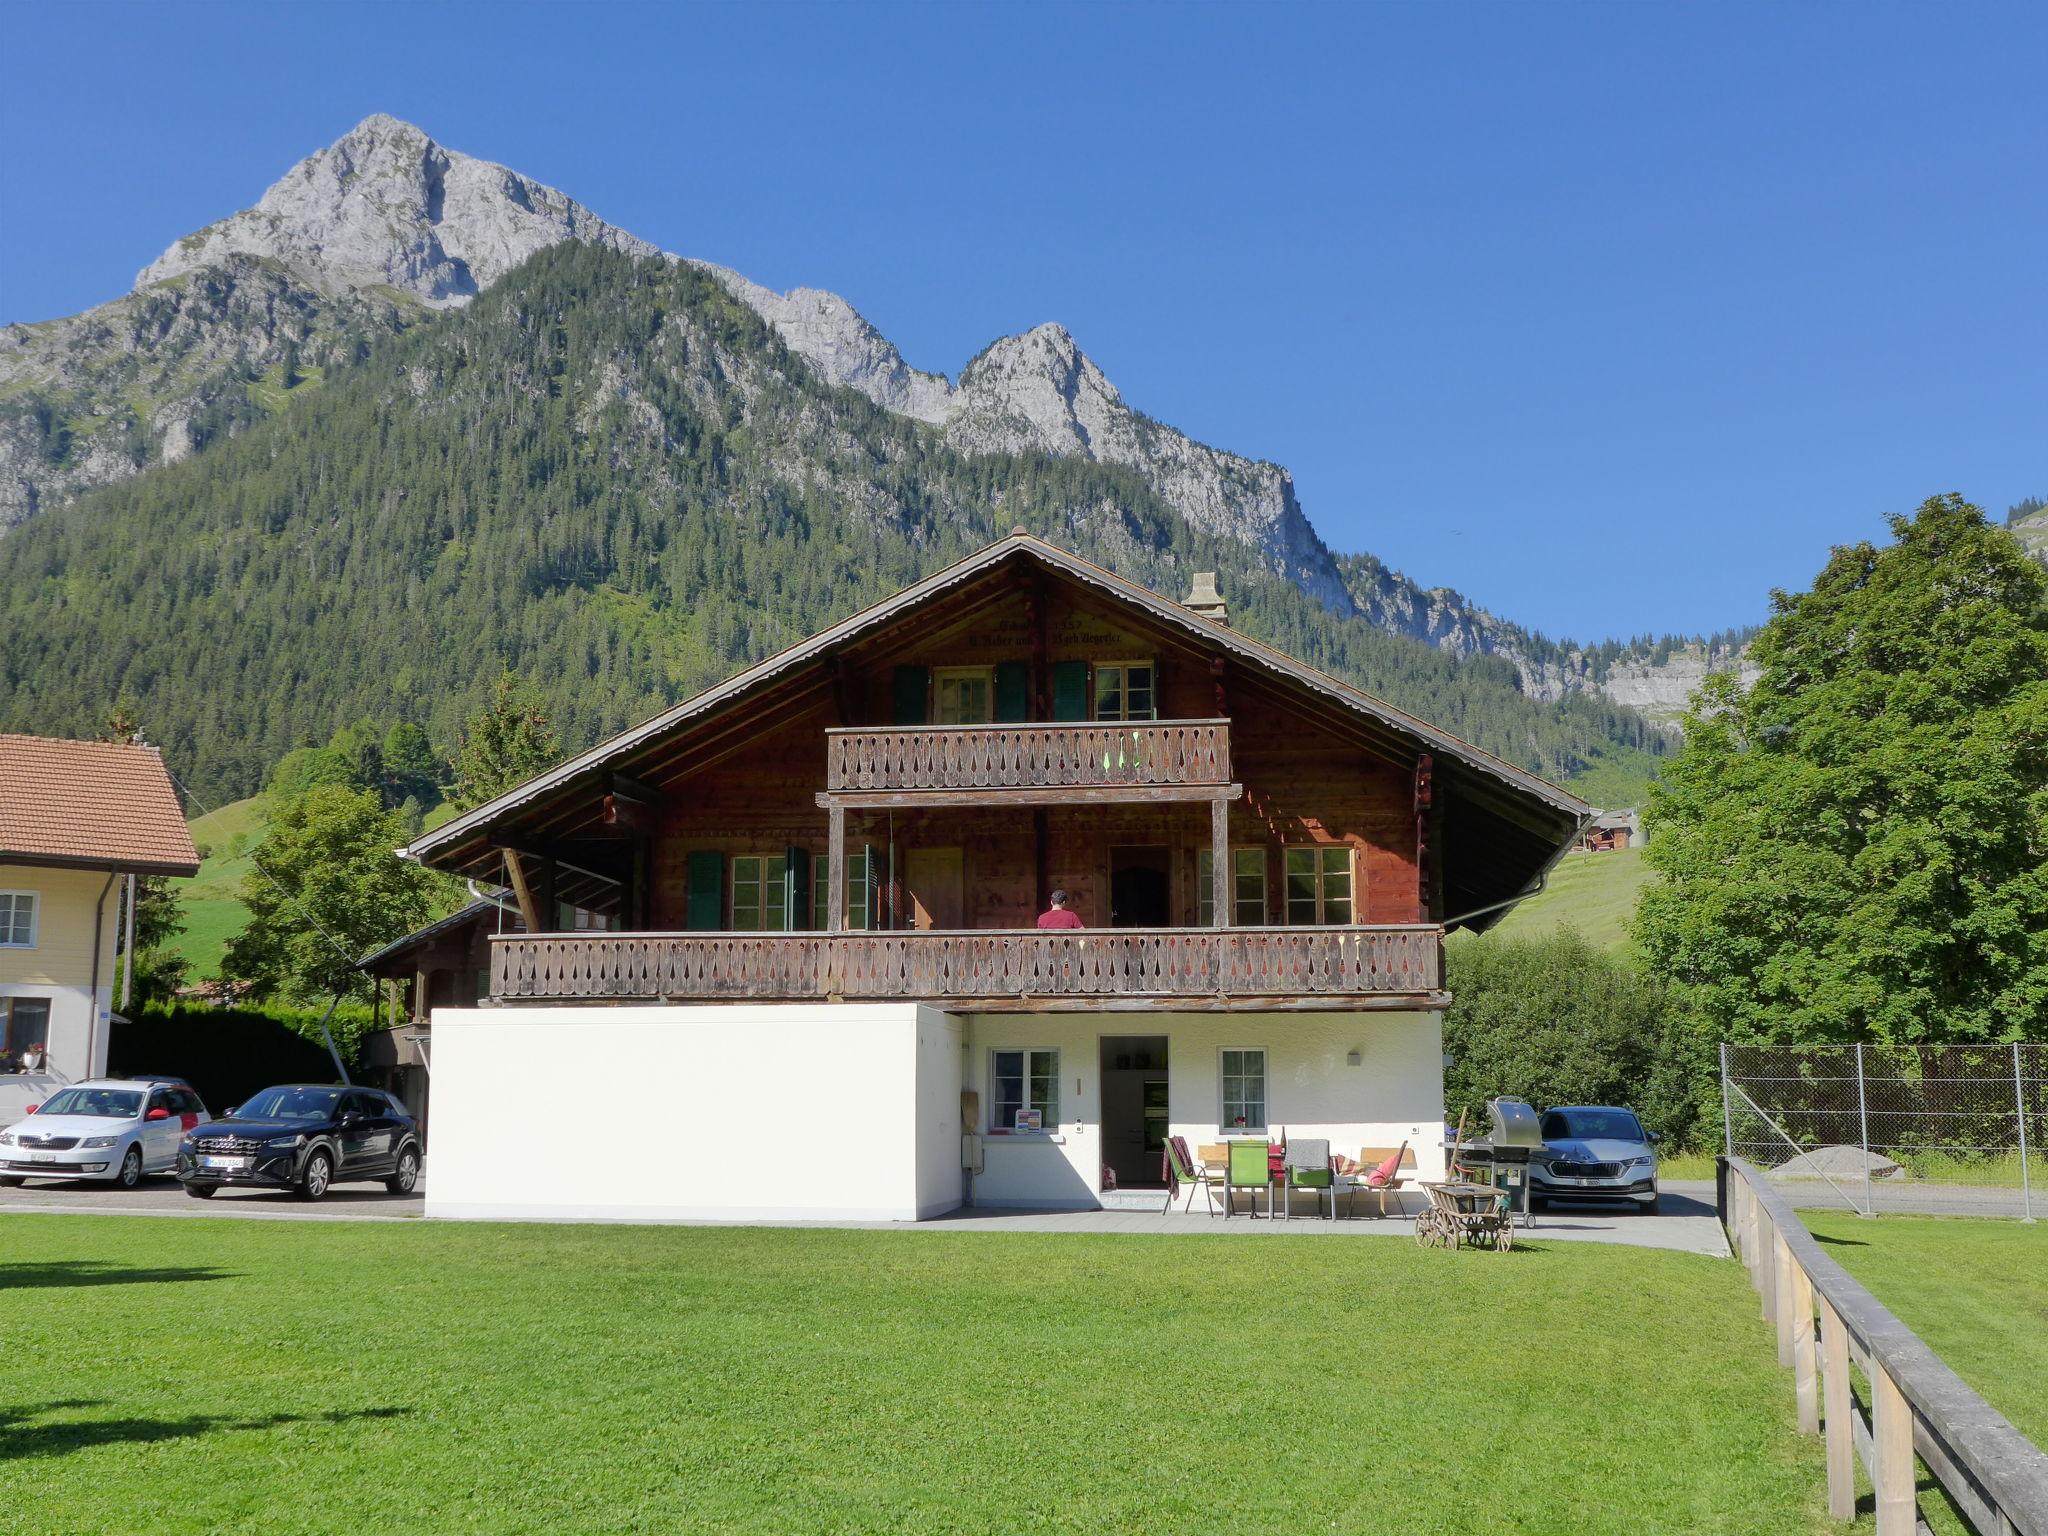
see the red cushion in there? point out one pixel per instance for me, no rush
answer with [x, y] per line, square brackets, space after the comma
[1385, 1172]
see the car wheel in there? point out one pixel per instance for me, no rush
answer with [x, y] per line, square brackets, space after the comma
[318, 1175]
[407, 1175]
[201, 1191]
[1647, 1207]
[131, 1169]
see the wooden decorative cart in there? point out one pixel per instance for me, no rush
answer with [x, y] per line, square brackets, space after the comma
[1461, 1212]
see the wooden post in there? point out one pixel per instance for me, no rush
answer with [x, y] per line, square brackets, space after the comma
[1781, 1287]
[1766, 1264]
[1220, 891]
[1425, 793]
[1040, 837]
[1841, 1430]
[1891, 1454]
[522, 892]
[835, 869]
[1041, 697]
[550, 902]
[1804, 1366]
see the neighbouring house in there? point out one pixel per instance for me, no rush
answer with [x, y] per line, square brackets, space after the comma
[1609, 830]
[77, 818]
[820, 991]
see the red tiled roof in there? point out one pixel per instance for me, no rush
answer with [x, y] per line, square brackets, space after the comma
[90, 804]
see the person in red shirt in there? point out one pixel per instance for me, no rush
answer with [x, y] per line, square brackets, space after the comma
[1057, 915]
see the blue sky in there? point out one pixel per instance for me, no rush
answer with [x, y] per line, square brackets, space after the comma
[1612, 317]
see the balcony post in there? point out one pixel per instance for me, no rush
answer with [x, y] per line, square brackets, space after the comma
[835, 868]
[1219, 863]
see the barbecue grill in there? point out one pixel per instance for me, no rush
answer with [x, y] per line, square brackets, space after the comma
[1502, 1159]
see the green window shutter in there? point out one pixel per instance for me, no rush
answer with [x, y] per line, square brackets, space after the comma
[913, 692]
[1013, 692]
[870, 903]
[796, 887]
[706, 906]
[1070, 690]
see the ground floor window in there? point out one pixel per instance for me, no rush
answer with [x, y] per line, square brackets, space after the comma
[1244, 1090]
[24, 1025]
[1024, 1091]
[757, 893]
[1247, 887]
[1319, 885]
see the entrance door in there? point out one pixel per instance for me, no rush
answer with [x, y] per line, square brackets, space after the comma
[1134, 1109]
[1140, 888]
[935, 880]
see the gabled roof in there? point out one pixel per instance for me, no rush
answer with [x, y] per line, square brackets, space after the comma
[958, 574]
[91, 805]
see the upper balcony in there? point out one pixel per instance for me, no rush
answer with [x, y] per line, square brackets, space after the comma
[1101, 759]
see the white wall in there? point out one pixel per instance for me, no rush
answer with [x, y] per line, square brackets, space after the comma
[59, 965]
[1395, 1094]
[795, 1112]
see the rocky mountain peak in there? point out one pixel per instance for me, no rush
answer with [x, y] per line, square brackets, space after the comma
[384, 206]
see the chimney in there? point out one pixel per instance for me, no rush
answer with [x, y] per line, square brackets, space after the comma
[1206, 601]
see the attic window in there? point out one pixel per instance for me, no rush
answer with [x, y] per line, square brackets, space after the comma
[1124, 691]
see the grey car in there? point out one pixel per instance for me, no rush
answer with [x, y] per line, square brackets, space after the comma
[1594, 1152]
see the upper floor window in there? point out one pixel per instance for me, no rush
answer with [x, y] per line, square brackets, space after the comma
[856, 890]
[17, 919]
[758, 893]
[1319, 884]
[963, 694]
[1247, 887]
[1124, 691]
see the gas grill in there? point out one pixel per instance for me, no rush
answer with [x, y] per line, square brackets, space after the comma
[1502, 1158]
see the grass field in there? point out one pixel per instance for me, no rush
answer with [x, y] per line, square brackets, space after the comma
[1975, 1290]
[1593, 892]
[222, 1375]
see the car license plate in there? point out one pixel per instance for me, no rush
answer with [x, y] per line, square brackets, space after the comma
[224, 1162]
[42, 1157]
[1580, 1182]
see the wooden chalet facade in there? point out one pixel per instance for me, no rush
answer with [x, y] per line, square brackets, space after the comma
[878, 816]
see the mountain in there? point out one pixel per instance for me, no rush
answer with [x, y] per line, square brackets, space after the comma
[611, 475]
[2029, 522]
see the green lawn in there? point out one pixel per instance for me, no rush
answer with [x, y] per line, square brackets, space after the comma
[1593, 892]
[223, 1375]
[1975, 1290]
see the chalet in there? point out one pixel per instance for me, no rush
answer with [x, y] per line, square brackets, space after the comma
[812, 984]
[77, 818]
[1610, 830]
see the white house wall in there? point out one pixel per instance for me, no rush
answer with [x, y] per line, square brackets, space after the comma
[59, 966]
[1394, 1094]
[828, 1112]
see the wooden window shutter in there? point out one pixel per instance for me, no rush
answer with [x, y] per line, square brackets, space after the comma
[1070, 690]
[705, 909]
[913, 695]
[796, 888]
[1013, 692]
[871, 877]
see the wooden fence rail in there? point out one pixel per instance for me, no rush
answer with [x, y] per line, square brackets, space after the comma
[1037, 756]
[1994, 1474]
[1284, 964]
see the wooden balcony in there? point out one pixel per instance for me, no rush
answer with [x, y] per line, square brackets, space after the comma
[1025, 969]
[1185, 759]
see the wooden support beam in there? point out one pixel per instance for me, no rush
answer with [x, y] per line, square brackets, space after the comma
[1041, 841]
[835, 868]
[1035, 622]
[1142, 794]
[1838, 1411]
[550, 892]
[522, 891]
[1220, 885]
[1425, 796]
[1805, 1368]
[1892, 1472]
[1781, 1285]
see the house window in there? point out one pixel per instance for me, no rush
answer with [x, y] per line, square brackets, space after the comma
[757, 893]
[1124, 691]
[1318, 885]
[1244, 1090]
[856, 890]
[17, 919]
[963, 694]
[1020, 1081]
[1247, 882]
[24, 1022]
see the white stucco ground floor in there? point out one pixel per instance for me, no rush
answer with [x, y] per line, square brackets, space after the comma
[892, 1112]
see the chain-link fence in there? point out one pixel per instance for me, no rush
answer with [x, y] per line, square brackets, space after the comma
[1931, 1129]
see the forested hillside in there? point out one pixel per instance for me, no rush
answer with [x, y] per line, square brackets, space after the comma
[609, 475]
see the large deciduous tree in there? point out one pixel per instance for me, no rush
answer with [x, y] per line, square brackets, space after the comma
[328, 888]
[1856, 847]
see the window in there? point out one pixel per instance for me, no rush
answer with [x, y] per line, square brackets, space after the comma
[856, 890]
[757, 893]
[1318, 885]
[1248, 887]
[17, 919]
[963, 695]
[24, 1022]
[1123, 691]
[1020, 1081]
[1244, 1090]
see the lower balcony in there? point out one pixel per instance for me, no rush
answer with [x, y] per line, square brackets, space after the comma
[986, 969]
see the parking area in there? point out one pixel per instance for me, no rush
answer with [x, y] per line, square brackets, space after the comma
[166, 1197]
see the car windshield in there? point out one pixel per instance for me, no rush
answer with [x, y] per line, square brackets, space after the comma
[290, 1104]
[101, 1103]
[1591, 1125]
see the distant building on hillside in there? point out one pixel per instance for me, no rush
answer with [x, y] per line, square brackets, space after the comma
[1612, 829]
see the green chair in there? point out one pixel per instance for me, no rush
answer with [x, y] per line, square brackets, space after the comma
[1189, 1172]
[1251, 1168]
[1308, 1167]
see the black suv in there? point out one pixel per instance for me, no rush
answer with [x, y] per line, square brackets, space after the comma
[304, 1137]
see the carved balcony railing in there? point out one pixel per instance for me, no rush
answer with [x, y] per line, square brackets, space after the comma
[1095, 754]
[1049, 968]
